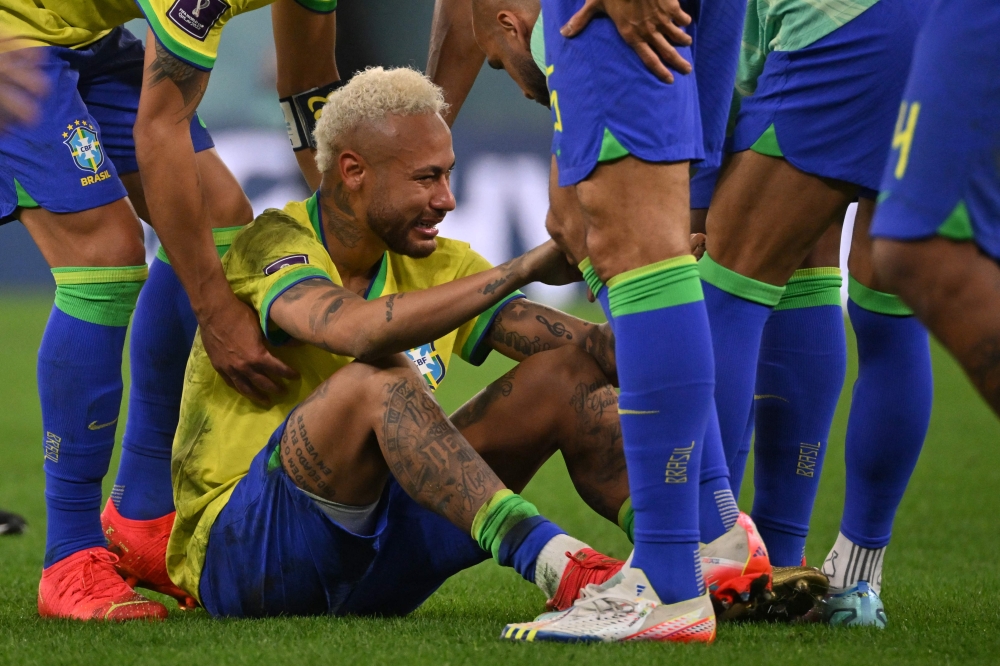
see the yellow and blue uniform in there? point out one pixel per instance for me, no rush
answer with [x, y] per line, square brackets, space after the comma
[69, 159]
[942, 176]
[606, 104]
[229, 486]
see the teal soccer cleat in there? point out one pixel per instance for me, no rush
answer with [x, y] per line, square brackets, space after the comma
[859, 606]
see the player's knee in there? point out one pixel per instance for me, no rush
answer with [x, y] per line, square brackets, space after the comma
[561, 371]
[898, 266]
[383, 374]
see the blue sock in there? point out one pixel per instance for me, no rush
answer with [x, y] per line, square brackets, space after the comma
[800, 374]
[665, 407]
[738, 308]
[597, 288]
[80, 387]
[890, 412]
[162, 332]
[520, 547]
[717, 510]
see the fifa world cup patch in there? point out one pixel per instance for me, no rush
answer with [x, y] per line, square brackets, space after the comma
[284, 262]
[429, 362]
[196, 17]
[80, 136]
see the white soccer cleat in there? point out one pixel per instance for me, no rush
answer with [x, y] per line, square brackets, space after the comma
[624, 609]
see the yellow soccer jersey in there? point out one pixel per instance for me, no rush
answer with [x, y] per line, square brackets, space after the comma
[189, 29]
[220, 431]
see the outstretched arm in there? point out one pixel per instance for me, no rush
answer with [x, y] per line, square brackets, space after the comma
[454, 59]
[338, 320]
[523, 328]
[304, 41]
[171, 91]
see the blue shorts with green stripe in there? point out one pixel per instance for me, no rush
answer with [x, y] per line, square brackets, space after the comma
[943, 175]
[829, 108]
[606, 104]
[69, 158]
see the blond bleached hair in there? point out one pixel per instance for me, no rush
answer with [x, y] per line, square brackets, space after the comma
[369, 97]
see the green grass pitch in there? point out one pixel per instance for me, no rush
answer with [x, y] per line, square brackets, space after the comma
[940, 573]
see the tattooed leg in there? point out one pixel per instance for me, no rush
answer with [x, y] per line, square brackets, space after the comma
[955, 291]
[368, 419]
[557, 400]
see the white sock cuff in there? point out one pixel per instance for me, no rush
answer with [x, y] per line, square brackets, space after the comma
[849, 563]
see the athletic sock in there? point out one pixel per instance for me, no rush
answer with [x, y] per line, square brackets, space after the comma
[717, 509]
[848, 563]
[626, 519]
[552, 562]
[800, 374]
[597, 288]
[510, 528]
[162, 332]
[80, 387]
[738, 308]
[890, 412]
[665, 406]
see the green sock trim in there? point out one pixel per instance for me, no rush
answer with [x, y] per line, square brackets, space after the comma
[767, 144]
[876, 301]
[104, 296]
[590, 276]
[223, 237]
[664, 284]
[626, 519]
[611, 148]
[733, 283]
[810, 287]
[24, 200]
[496, 517]
[957, 226]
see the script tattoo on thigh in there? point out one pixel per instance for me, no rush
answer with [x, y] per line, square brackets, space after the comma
[302, 461]
[599, 467]
[429, 457]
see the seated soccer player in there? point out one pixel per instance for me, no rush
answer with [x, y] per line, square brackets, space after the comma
[353, 492]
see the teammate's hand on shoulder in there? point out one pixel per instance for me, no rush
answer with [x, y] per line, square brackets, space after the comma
[235, 345]
[651, 27]
[549, 265]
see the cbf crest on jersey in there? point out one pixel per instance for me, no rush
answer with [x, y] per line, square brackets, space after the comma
[81, 139]
[429, 362]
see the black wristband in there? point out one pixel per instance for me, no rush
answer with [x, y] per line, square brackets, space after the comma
[301, 112]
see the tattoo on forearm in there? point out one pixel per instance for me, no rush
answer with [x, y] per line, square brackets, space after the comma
[189, 81]
[340, 217]
[429, 457]
[302, 461]
[475, 409]
[510, 269]
[389, 303]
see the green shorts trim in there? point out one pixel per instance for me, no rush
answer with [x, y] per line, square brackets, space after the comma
[767, 144]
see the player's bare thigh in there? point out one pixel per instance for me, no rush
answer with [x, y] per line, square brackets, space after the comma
[766, 215]
[108, 235]
[228, 206]
[860, 262]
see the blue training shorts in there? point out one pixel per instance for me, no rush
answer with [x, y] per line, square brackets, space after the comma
[833, 103]
[599, 87]
[272, 551]
[943, 175]
[69, 158]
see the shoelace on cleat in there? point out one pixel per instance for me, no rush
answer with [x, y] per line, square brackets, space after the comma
[98, 579]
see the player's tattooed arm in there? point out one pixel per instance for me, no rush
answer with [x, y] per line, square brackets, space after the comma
[523, 328]
[338, 320]
[189, 81]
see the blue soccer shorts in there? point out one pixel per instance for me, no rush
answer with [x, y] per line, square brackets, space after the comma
[273, 551]
[606, 104]
[70, 157]
[829, 108]
[943, 174]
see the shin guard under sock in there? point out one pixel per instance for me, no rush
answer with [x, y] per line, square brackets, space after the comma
[80, 387]
[665, 406]
[800, 374]
[890, 412]
[738, 308]
[162, 332]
